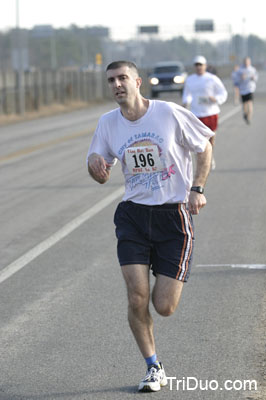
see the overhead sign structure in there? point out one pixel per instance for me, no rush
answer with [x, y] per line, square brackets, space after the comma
[98, 31]
[204, 25]
[42, 31]
[149, 29]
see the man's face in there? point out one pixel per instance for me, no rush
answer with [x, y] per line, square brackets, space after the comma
[200, 68]
[124, 84]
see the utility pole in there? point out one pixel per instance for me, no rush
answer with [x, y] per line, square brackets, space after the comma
[21, 94]
[53, 51]
[244, 39]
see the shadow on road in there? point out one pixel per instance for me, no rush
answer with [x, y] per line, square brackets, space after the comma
[69, 395]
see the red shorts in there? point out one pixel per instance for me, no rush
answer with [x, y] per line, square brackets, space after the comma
[211, 121]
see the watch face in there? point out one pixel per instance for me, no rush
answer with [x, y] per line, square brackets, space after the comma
[198, 189]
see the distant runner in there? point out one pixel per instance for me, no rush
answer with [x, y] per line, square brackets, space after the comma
[152, 139]
[203, 93]
[246, 79]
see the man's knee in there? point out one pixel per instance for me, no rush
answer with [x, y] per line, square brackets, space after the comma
[138, 301]
[164, 307]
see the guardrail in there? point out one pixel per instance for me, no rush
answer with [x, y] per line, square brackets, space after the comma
[45, 87]
[41, 88]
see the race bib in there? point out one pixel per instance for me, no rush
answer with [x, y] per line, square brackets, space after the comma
[143, 160]
[203, 100]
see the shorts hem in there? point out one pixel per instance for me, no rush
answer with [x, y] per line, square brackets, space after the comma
[170, 276]
[133, 262]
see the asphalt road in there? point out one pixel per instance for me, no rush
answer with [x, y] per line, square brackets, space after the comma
[63, 330]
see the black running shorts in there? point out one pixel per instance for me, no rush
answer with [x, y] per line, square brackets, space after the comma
[160, 236]
[247, 97]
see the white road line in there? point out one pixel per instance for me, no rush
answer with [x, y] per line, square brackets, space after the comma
[18, 264]
[229, 114]
[247, 266]
[22, 261]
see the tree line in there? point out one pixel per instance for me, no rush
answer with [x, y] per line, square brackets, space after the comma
[76, 47]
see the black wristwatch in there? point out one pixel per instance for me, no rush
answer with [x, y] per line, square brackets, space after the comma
[199, 189]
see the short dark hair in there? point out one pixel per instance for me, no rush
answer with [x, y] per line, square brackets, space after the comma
[119, 64]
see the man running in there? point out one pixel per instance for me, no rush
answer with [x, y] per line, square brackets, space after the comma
[246, 79]
[152, 139]
[204, 92]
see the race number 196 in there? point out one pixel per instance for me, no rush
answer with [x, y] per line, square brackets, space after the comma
[144, 159]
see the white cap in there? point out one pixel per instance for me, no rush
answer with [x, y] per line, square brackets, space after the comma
[199, 60]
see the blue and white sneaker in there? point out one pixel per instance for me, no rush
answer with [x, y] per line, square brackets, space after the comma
[154, 379]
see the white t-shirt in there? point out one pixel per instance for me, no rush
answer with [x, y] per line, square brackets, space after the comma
[154, 151]
[198, 89]
[246, 79]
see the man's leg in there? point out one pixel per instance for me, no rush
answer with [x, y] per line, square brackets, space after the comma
[212, 140]
[250, 110]
[246, 110]
[138, 288]
[166, 294]
[236, 95]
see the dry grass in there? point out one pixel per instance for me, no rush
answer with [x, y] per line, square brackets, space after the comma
[46, 111]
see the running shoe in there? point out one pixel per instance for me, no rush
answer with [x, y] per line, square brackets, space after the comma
[154, 379]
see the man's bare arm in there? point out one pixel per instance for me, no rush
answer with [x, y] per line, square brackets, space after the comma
[198, 200]
[203, 166]
[98, 168]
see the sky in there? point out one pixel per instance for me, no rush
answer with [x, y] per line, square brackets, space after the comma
[173, 17]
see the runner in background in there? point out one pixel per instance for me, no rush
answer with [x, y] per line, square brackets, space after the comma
[247, 77]
[203, 93]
